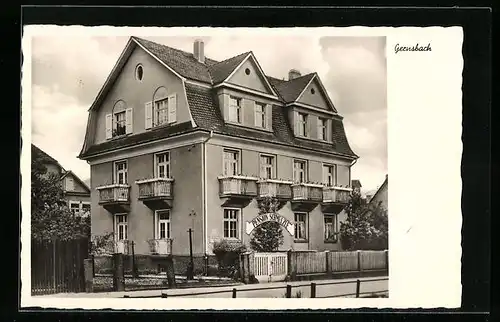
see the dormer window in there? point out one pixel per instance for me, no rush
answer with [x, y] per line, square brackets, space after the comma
[161, 112]
[302, 121]
[235, 109]
[260, 115]
[322, 128]
[119, 122]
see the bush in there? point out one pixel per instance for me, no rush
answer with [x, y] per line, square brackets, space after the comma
[228, 253]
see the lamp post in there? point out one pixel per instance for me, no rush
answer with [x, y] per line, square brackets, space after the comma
[190, 269]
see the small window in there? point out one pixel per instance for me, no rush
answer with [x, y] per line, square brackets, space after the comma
[322, 129]
[121, 172]
[139, 73]
[267, 166]
[302, 124]
[163, 228]
[161, 112]
[299, 171]
[121, 227]
[235, 109]
[329, 175]
[247, 71]
[163, 165]
[331, 228]
[231, 162]
[86, 208]
[74, 207]
[231, 223]
[300, 226]
[260, 115]
[313, 91]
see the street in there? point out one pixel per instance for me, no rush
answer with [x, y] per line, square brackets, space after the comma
[324, 288]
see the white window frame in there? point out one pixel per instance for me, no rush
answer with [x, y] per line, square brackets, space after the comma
[335, 227]
[302, 124]
[163, 101]
[238, 223]
[296, 226]
[272, 166]
[304, 171]
[322, 128]
[78, 209]
[117, 224]
[116, 172]
[260, 114]
[237, 109]
[82, 203]
[168, 224]
[115, 123]
[238, 161]
[325, 167]
[168, 169]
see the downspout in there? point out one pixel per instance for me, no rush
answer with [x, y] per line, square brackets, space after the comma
[204, 178]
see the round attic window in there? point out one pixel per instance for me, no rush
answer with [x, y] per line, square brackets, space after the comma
[139, 73]
[313, 91]
[247, 71]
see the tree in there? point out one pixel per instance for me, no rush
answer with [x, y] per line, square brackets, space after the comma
[50, 216]
[268, 236]
[366, 226]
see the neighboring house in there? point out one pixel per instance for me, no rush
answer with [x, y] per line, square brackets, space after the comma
[76, 192]
[381, 195]
[176, 140]
[356, 185]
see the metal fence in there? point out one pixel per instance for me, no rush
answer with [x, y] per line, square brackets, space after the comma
[288, 290]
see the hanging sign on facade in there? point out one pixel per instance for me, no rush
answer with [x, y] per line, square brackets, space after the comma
[260, 219]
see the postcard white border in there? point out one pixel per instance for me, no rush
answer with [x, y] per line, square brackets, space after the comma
[424, 157]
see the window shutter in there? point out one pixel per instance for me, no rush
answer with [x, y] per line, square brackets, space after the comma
[148, 108]
[318, 128]
[296, 122]
[172, 108]
[256, 115]
[329, 132]
[269, 116]
[128, 121]
[109, 126]
[309, 126]
[225, 107]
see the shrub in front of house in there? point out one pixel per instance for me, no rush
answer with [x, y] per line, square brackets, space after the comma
[228, 254]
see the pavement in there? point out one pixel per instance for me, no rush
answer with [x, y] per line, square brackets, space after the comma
[324, 288]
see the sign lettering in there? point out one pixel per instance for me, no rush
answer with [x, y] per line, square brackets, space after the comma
[259, 220]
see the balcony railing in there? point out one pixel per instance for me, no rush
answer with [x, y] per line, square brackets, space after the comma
[113, 193]
[336, 194]
[160, 246]
[307, 192]
[155, 187]
[275, 188]
[238, 185]
[122, 246]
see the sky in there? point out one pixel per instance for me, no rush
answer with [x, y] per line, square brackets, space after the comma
[68, 72]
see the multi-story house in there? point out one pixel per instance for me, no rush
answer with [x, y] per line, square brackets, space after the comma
[76, 192]
[176, 140]
[381, 195]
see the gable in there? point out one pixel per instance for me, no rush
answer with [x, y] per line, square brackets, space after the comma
[128, 92]
[248, 75]
[72, 180]
[314, 95]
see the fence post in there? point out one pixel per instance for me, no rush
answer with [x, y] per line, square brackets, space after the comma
[313, 290]
[118, 273]
[359, 260]
[54, 265]
[234, 293]
[358, 284]
[89, 274]
[288, 291]
[327, 258]
[292, 264]
[387, 260]
[135, 274]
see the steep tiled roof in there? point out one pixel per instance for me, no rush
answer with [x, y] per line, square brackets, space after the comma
[47, 158]
[180, 61]
[148, 136]
[220, 71]
[290, 90]
[206, 114]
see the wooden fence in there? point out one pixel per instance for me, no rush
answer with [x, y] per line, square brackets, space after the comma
[57, 266]
[370, 259]
[310, 262]
[343, 261]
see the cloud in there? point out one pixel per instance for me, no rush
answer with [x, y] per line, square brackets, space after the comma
[68, 72]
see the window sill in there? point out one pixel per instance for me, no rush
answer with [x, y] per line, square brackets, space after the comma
[117, 137]
[155, 127]
[312, 139]
[300, 241]
[330, 241]
[256, 128]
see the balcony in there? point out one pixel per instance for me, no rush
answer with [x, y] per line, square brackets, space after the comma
[156, 193]
[282, 190]
[115, 197]
[160, 246]
[335, 199]
[237, 191]
[306, 196]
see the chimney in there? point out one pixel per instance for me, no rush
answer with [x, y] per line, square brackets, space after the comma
[199, 50]
[293, 73]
